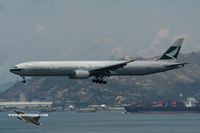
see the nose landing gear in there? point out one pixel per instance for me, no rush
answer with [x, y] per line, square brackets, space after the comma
[23, 80]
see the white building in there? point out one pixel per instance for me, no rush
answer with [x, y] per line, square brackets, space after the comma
[26, 104]
[191, 102]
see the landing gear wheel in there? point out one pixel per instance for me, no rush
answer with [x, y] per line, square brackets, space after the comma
[105, 82]
[24, 80]
[99, 81]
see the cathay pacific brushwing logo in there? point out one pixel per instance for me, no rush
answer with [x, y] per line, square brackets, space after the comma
[173, 53]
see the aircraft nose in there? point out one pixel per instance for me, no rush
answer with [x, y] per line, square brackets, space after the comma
[16, 70]
[12, 70]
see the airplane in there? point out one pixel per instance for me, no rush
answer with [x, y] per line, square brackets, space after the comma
[101, 69]
[26, 119]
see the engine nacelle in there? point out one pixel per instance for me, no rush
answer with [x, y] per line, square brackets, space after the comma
[80, 74]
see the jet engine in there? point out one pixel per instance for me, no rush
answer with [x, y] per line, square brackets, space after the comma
[80, 74]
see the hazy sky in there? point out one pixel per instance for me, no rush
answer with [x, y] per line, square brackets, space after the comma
[93, 29]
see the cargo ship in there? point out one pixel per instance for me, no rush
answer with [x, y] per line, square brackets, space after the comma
[191, 105]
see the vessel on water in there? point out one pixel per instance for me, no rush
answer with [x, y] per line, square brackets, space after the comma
[191, 105]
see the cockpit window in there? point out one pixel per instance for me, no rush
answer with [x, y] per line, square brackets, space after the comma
[15, 67]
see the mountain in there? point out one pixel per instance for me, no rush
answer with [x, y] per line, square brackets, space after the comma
[184, 82]
[5, 86]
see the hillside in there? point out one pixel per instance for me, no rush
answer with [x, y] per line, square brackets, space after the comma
[5, 86]
[165, 86]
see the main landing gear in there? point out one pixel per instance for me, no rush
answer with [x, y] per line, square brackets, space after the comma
[100, 81]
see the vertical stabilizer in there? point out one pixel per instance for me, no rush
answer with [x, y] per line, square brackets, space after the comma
[173, 51]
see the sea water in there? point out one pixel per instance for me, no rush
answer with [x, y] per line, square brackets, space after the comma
[104, 122]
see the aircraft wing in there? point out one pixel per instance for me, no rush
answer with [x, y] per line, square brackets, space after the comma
[107, 69]
[176, 65]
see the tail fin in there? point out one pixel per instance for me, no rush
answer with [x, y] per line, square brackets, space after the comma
[173, 51]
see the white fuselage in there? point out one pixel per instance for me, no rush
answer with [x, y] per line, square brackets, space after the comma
[67, 68]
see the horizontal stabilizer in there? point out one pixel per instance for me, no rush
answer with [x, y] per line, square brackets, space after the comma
[176, 65]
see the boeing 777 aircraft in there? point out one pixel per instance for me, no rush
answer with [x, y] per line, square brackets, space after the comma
[101, 69]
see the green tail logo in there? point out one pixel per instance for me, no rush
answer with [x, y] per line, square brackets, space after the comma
[173, 51]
